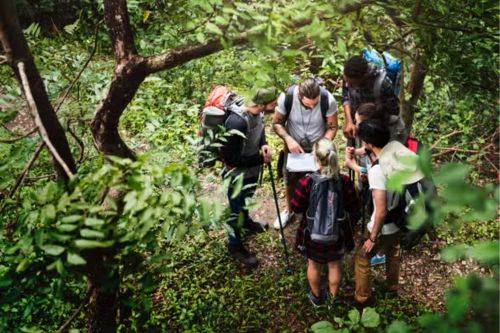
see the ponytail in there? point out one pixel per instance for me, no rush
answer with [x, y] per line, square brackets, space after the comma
[326, 154]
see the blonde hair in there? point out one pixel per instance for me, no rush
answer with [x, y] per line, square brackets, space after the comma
[326, 154]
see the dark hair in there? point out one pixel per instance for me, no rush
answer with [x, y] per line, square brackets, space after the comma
[372, 111]
[309, 89]
[374, 132]
[355, 67]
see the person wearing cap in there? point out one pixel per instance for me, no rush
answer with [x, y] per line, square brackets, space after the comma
[382, 232]
[243, 157]
[300, 127]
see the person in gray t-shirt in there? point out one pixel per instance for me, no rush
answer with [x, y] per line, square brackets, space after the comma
[304, 125]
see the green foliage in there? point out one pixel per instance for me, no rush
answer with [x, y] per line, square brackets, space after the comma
[356, 322]
[56, 229]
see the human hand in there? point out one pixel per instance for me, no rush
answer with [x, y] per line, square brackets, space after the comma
[293, 146]
[368, 246]
[349, 152]
[267, 153]
[360, 151]
[350, 130]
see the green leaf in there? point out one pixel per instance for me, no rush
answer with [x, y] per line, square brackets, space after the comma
[91, 244]
[89, 233]
[67, 227]
[53, 250]
[22, 265]
[71, 218]
[370, 318]
[453, 253]
[323, 327]
[213, 28]
[93, 222]
[237, 185]
[49, 212]
[354, 316]
[457, 303]
[486, 252]
[452, 173]
[398, 326]
[75, 259]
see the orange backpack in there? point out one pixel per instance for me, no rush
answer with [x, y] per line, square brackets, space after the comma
[212, 117]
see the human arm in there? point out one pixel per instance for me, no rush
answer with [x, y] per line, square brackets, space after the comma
[331, 126]
[349, 127]
[380, 202]
[279, 120]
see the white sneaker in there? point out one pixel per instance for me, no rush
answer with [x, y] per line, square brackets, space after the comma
[285, 215]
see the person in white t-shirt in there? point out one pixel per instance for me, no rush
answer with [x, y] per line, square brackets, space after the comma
[381, 234]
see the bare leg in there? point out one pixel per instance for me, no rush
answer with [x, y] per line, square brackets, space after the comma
[314, 277]
[334, 276]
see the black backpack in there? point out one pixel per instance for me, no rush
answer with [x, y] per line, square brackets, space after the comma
[324, 102]
[325, 212]
[400, 206]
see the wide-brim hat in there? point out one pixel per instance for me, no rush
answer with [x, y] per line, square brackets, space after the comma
[395, 158]
[263, 96]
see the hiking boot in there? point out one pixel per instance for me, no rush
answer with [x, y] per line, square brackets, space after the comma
[285, 216]
[315, 301]
[241, 254]
[252, 227]
[377, 260]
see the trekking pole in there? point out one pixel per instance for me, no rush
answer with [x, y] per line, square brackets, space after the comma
[289, 269]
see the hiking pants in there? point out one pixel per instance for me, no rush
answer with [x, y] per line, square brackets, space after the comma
[239, 213]
[362, 269]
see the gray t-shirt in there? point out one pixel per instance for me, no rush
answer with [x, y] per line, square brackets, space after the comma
[306, 125]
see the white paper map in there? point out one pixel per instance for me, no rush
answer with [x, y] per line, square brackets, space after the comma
[301, 163]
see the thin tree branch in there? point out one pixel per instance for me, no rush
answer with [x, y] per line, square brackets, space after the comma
[179, 56]
[38, 121]
[201, 24]
[92, 53]
[24, 136]
[355, 6]
[85, 301]
[79, 142]
[23, 174]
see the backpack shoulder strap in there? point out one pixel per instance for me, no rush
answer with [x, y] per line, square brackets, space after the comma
[289, 100]
[377, 86]
[324, 102]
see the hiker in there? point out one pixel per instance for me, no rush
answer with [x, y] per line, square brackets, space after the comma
[364, 84]
[398, 133]
[382, 232]
[325, 248]
[245, 156]
[306, 113]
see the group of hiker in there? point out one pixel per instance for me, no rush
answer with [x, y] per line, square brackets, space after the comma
[327, 203]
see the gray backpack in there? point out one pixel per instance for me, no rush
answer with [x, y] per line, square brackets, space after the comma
[326, 211]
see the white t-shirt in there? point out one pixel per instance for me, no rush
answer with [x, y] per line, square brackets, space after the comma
[377, 181]
[306, 124]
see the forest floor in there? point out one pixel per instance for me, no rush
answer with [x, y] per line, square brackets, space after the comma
[424, 276]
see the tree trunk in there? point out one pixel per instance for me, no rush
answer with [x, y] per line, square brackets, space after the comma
[17, 50]
[104, 279]
[415, 88]
[128, 77]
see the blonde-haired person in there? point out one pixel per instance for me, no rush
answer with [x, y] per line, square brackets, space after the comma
[317, 253]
